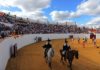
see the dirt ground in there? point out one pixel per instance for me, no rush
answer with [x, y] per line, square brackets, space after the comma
[31, 57]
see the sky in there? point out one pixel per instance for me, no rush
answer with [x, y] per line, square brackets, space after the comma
[82, 12]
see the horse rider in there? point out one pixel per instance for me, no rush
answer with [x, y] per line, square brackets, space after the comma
[66, 47]
[47, 47]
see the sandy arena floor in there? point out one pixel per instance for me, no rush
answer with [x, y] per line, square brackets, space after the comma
[31, 57]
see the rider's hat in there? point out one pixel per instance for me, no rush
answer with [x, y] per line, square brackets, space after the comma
[49, 40]
[66, 41]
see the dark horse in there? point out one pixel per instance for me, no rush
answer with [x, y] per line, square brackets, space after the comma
[70, 54]
[63, 54]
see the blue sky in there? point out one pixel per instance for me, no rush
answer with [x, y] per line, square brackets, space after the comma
[83, 12]
[62, 5]
[66, 5]
[10, 8]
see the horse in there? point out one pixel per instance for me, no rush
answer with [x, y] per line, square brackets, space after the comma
[70, 54]
[63, 53]
[47, 46]
[48, 54]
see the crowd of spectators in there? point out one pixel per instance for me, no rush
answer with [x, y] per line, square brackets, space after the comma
[38, 28]
[98, 30]
[24, 26]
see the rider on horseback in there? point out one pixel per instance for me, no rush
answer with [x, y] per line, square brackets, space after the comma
[64, 51]
[66, 47]
[47, 47]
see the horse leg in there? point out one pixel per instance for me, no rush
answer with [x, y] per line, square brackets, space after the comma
[49, 62]
[70, 62]
[64, 57]
[46, 59]
[61, 56]
[50, 65]
[45, 54]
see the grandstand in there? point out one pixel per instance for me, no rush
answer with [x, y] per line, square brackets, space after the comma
[20, 25]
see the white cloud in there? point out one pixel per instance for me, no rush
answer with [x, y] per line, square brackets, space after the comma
[94, 21]
[86, 7]
[7, 2]
[27, 5]
[89, 7]
[30, 8]
[32, 5]
[38, 15]
[63, 15]
[59, 15]
[33, 9]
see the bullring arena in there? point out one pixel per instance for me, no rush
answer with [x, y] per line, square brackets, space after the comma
[49, 34]
[30, 54]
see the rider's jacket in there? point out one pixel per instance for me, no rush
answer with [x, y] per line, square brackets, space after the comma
[65, 47]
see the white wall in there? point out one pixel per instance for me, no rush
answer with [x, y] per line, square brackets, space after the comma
[25, 40]
[4, 52]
